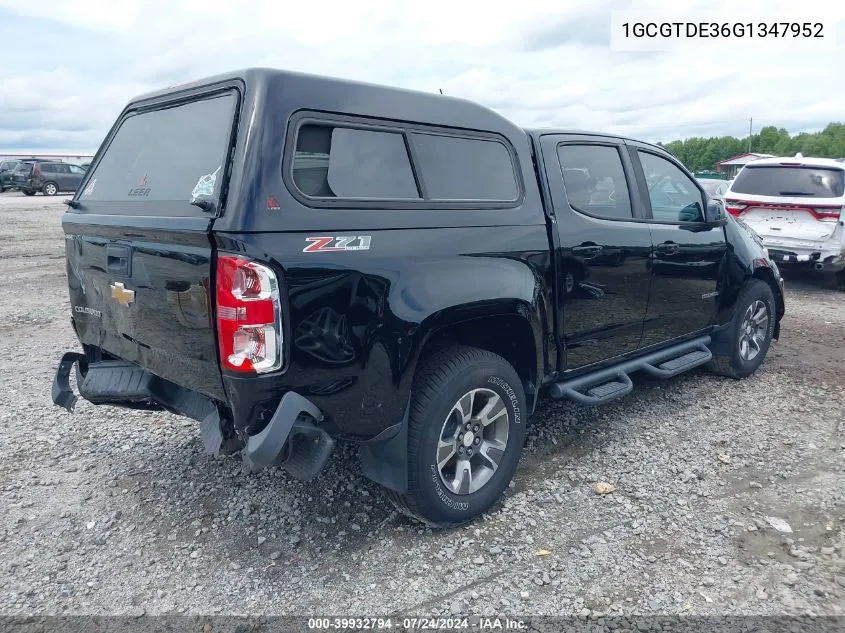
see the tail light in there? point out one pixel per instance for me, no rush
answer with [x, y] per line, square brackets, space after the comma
[827, 214]
[735, 207]
[249, 327]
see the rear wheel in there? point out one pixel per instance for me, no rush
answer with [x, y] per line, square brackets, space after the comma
[28, 192]
[839, 280]
[750, 332]
[50, 189]
[466, 429]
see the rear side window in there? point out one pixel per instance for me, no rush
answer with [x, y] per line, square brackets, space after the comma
[334, 161]
[595, 181]
[173, 154]
[342, 162]
[455, 168]
[778, 180]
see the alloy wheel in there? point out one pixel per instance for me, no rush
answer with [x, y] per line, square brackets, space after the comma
[472, 441]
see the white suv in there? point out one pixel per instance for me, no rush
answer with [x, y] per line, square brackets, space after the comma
[797, 206]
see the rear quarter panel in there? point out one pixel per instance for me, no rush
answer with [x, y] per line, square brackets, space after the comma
[356, 322]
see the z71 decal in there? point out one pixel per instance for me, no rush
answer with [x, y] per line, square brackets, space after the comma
[337, 243]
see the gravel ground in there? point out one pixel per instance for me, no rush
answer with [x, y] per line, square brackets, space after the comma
[115, 512]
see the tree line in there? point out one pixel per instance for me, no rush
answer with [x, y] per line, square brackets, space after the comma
[700, 154]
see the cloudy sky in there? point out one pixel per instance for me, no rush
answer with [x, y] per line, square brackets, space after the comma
[69, 66]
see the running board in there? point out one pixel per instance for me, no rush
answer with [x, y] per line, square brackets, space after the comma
[614, 382]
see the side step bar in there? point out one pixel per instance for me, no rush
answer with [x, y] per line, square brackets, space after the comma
[614, 382]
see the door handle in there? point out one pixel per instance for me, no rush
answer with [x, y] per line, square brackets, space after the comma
[587, 250]
[119, 260]
[668, 248]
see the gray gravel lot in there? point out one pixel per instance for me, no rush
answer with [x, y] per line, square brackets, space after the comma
[115, 512]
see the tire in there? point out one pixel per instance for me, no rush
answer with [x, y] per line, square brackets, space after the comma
[740, 363]
[50, 189]
[839, 281]
[28, 192]
[449, 378]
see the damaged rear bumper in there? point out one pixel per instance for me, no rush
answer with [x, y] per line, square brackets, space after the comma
[822, 261]
[292, 439]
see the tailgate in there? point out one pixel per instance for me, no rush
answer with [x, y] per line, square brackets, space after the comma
[139, 251]
[797, 224]
[142, 293]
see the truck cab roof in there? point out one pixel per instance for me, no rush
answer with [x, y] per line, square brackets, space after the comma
[539, 131]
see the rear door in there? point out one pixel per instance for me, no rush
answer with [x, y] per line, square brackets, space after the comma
[688, 254]
[602, 263]
[76, 176]
[139, 253]
[61, 175]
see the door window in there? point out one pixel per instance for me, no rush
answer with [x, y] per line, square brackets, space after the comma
[594, 180]
[674, 195]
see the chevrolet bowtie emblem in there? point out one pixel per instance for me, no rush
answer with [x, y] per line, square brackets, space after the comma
[124, 297]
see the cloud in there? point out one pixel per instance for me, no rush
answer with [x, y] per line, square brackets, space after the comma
[588, 26]
[71, 65]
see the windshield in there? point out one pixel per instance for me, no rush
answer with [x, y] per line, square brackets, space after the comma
[779, 180]
[171, 156]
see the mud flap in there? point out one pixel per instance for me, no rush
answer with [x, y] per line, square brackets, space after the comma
[63, 395]
[385, 461]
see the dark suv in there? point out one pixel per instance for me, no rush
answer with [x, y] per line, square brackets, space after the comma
[296, 261]
[48, 177]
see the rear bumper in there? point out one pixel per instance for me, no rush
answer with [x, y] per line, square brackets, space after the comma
[292, 439]
[822, 260]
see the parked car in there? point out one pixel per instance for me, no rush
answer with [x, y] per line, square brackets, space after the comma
[49, 177]
[795, 205]
[6, 169]
[714, 188]
[383, 267]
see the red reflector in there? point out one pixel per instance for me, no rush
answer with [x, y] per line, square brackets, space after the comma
[248, 315]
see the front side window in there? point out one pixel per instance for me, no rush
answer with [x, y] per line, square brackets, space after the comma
[342, 162]
[595, 182]
[673, 194]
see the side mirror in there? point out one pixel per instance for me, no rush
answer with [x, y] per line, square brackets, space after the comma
[713, 212]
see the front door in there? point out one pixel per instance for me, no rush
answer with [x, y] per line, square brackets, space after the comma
[688, 253]
[604, 246]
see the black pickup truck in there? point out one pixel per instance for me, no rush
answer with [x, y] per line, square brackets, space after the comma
[295, 260]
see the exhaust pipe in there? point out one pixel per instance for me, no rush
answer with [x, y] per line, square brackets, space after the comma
[818, 265]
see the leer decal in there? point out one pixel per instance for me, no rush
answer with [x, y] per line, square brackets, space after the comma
[329, 243]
